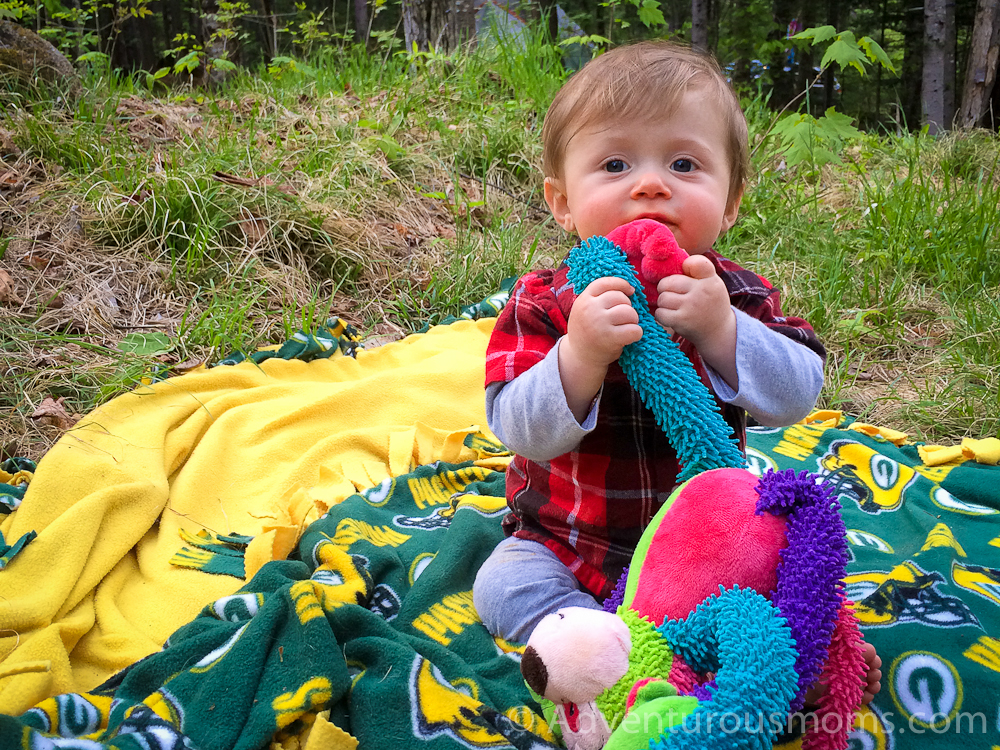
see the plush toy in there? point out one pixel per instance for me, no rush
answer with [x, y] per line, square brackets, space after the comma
[733, 606]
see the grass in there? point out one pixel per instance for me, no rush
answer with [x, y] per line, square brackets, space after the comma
[394, 191]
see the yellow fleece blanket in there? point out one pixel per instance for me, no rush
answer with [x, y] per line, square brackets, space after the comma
[258, 450]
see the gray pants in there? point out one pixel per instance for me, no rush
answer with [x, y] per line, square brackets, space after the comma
[520, 583]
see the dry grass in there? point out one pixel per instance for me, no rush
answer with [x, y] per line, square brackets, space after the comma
[227, 222]
[85, 261]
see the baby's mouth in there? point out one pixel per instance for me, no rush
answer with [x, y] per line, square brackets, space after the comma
[658, 219]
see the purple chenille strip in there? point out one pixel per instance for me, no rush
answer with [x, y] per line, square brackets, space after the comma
[811, 571]
[617, 596]
[702, 692]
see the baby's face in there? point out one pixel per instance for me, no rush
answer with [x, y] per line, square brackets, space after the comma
[674, 169]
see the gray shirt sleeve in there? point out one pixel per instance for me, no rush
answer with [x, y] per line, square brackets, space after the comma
[529, 414]
[780, 380]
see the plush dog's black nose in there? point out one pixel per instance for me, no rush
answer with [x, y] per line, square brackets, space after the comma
[533, 670]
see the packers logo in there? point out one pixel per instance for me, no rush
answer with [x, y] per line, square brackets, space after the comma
[759, 463]
[440, 707]
[872, 480]
[871, 731]
[926, 688]
[905, 594]
[71, 715]
[419, 565]
[378, 495]
[235, 608]
[340, 578]
[985, 651]
[867, 540]
[312, 694]
[981, 580]
[441, 517]
[214, 656]
[165, 705]
[944, 499]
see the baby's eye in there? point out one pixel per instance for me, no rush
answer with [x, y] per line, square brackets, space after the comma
[682, 165]
[615, 166]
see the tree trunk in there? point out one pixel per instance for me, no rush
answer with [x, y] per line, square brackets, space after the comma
[270, 36]
[549, 11]
[442, 24]
[361, 21]
[981, 70]
[414, 25]
[913, 65]
[937, 91]
[699, 24]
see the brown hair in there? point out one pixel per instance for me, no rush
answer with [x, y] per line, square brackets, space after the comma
[635, 82]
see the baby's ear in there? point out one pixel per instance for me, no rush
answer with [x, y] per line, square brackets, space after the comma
[555, 196]
[732, 211]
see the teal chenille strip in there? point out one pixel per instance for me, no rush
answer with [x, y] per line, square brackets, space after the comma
[744, 639]
[659, 371]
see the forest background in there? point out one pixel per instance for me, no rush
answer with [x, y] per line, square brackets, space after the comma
[219, 175]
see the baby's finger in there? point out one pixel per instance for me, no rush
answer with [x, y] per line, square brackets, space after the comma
[628, 334]
[622, 314]
[698, 267]
[609, 284]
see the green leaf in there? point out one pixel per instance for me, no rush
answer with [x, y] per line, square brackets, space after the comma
[146, 344]
[857, 324]
[845, 53]
[223, 64]
[838, 125]
[876, 53]
[787, 124]
[95, 57]
[189, 63]
[818, 35]
[650, 14]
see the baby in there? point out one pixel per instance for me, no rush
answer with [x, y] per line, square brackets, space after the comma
[647, 131]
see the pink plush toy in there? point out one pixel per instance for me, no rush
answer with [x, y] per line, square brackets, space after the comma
[722, 530]
[652, 250]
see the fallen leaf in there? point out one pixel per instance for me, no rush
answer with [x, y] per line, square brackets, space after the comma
[187, 366]
[53, 412]
[254, 229]
[139, 196]
[231, 179]
[36, 260]
[282, 188]
[7, 289]
[445, 231]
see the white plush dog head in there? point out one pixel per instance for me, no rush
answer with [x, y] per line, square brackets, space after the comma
[573, 655]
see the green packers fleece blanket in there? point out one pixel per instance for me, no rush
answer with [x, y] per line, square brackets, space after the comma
[334, 610]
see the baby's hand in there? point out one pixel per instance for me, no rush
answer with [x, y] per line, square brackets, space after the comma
[602, 322]
[695, 304]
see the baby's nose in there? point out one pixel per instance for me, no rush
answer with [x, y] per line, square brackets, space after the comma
[650, 185]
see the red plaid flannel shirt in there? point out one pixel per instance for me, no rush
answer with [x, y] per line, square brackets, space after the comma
[590, 506]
